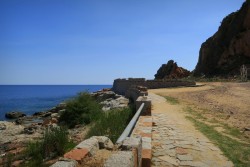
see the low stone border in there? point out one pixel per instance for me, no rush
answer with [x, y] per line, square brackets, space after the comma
[143, 129]
[86, 148]
[128, 154]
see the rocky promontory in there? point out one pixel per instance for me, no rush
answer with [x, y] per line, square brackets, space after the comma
[171, 71]
[229, 48]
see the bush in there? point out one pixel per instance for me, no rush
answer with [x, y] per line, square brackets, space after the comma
[111, 124]
[55, 142]
[81, 110]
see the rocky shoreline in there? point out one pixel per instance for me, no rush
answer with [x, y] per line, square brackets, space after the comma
[17, 133]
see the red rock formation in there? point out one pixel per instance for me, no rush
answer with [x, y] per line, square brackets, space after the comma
[229, 48]
[171, 71]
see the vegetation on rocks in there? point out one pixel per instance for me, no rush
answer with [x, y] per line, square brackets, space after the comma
[55, 142]
[111, 123]
[83, 109]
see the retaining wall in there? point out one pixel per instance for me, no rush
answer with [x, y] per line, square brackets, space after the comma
[120, 86]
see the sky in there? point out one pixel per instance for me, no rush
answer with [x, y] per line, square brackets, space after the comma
[97, 41]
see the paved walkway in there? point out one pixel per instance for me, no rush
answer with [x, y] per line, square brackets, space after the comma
[176, 142]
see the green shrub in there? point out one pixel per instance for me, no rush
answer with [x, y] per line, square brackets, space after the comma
[81, 110]
[111, 124]
[55, 142]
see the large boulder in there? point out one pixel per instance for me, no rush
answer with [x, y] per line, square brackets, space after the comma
[14, 115]
[171, 71]
[229, 48]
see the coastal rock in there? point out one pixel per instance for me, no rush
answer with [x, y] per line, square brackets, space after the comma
[120, 102]
[110, 100]
[29, 130]
[14, 115]
[2, 126]
[103, 95]
[10, 131]
[229, 48]
[42, 114]
[57, 108]
[171, 71]
[104, 142]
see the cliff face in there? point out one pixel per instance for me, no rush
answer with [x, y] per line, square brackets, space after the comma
[229, 47]
[171, 71]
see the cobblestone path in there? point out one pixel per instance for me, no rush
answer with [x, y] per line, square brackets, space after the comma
[176, 142]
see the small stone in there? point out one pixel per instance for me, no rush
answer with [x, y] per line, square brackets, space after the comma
[154, 159]
[65, 163]
[169, 146]
[171, 152]
[181, 151]
[184, 157]
[193, 164]
[77, 154]
[169, 159]
[121, 159]
[168, 141]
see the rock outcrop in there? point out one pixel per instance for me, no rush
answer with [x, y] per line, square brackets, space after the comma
[14, 115]
[229, 48]
[171, 71]
[110, 100]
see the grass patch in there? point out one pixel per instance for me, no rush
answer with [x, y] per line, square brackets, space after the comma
[171, 100]
[232, 131]
[227, 129]
[83, 109]
[55, 142]
[195, 114]
[238, 153]
[111, 124]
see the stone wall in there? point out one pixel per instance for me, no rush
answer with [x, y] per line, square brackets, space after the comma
[128, 154]
[121, 86]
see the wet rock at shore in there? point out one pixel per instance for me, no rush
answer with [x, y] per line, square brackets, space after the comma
[42, 114]
[14, 115]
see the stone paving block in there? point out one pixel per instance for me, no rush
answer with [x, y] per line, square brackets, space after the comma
[146, 157]
[77, 154]
[134, 144]
[92, 145]
[146, 143]
[65, 163]
[193, 164]
[147, 119]
[121, 159]
[184, 157]
[169, 159]
[181, 151]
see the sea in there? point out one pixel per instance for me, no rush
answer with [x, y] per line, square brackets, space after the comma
[34, 98]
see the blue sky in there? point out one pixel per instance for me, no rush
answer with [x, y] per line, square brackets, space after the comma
[97, 41]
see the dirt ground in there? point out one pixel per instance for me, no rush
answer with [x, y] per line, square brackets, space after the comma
[225, 101]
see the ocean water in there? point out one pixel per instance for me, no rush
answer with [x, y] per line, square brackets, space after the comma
[33, 98]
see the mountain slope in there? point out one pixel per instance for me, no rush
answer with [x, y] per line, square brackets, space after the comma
[229, 48]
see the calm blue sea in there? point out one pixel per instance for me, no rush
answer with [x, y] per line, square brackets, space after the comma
[33, 98]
